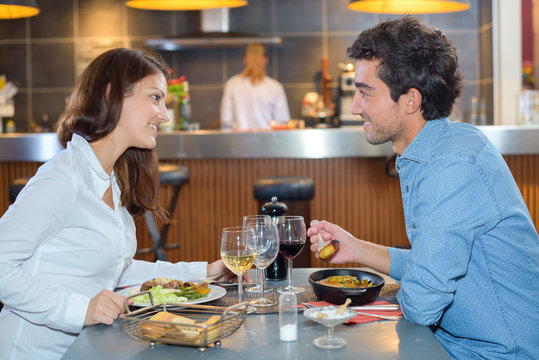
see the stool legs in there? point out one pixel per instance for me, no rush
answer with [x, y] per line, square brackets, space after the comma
[159, 237]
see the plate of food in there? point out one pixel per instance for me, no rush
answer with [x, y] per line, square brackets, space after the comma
[175, 291]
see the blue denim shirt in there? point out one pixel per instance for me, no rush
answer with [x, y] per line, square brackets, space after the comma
[473, 271]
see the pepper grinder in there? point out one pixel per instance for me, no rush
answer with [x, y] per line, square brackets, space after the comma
[277, 270]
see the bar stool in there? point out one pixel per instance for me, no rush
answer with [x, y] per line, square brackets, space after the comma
[15, 187]
[296, 192]
[174, 176]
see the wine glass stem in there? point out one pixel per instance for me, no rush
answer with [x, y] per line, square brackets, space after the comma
[240, 292]
[330, 331]
[257, 279]
[289, 261]
[261, 285]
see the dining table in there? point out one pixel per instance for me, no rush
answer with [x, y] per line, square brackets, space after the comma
[258, 336]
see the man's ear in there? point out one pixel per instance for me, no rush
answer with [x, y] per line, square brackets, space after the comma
[413, 101]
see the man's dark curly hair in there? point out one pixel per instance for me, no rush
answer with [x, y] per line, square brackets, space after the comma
[413, 55]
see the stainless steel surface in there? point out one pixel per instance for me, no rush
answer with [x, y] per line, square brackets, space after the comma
[299, 144]
[173, 44]
[258, 338]
[28, 147]
[214, 26]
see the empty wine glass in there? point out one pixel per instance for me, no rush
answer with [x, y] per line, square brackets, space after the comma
[249, 220]
[238, 251]
[292, 236]
[267, 248]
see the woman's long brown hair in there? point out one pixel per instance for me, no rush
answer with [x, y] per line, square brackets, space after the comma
[93, 114]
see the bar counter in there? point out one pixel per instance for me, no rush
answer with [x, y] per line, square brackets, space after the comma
[352, 188]
[297, 144]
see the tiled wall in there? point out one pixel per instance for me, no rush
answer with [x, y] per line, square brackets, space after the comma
[43, 55]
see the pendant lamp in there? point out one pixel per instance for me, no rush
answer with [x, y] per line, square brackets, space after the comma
[184, 4]
[408, 6]
[15, 9]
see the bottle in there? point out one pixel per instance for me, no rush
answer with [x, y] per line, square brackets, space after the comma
[288, 316]
[483, 112]
[185, 107]
[277, 270]
[10, 126]
[172, 110]
[473, 112]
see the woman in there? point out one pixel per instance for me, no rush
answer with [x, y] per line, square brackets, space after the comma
[251, 100]
[69, 239]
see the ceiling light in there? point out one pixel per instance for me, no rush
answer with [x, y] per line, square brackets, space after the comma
[184, 4]
[408, 6]
[15, 9]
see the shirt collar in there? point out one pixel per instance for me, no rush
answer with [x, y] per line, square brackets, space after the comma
[103, 180]
[416, 151]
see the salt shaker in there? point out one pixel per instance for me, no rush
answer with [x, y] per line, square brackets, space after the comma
[288, 316]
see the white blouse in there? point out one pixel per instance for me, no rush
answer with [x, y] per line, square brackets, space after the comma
[60, 245]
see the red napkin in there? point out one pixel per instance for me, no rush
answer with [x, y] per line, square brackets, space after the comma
[360, 319]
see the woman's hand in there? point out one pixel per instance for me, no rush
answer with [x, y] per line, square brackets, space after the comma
[104, 308]
[219, 267]
[348, 244]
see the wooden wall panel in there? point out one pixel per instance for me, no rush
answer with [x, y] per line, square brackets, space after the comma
[352, 192]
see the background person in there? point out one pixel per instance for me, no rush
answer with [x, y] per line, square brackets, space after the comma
[473, 268]
[251, 99]
[69, 239]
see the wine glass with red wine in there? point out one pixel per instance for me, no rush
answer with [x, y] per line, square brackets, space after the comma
[292, 236]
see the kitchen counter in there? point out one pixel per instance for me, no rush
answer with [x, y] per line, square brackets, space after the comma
[298, 144]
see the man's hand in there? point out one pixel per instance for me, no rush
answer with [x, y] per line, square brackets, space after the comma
[104, 308]
[351, 249]
[348, 243]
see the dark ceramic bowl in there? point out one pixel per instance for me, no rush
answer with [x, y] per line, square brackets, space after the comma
[337, 295]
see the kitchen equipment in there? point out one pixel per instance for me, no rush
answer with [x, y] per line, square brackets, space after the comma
[347, 91]
[335, 295]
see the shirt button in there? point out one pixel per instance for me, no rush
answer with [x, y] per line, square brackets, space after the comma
[413, 226]
[409, 229]
[407, 188]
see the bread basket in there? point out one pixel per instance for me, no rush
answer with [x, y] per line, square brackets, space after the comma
[200, 334]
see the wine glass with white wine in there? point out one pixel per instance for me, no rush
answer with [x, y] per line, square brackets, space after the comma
[238, 251]
[253, 220]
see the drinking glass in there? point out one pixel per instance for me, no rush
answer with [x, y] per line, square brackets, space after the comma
[267, 249]
[249, 220]
[238, 251]
[292, 236]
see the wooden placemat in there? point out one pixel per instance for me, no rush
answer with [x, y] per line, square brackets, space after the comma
[388, 293]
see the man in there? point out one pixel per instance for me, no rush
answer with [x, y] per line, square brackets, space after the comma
[252, 100]
[472, 273]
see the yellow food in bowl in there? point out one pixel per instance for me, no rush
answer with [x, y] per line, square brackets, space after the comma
[345, 281]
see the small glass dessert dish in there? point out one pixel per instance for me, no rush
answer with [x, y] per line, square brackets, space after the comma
[329, 317]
